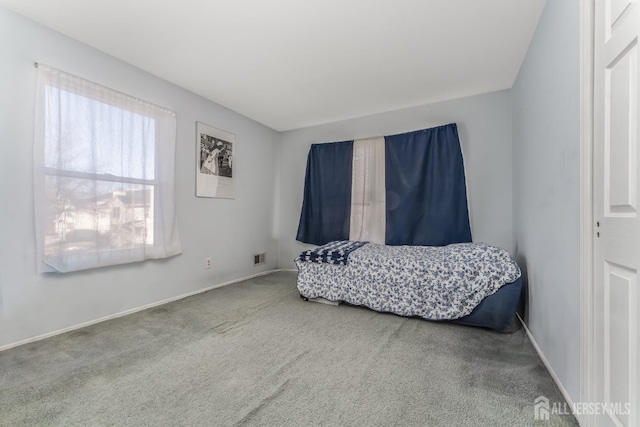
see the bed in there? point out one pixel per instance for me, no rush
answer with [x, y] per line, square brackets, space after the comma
[468, 283]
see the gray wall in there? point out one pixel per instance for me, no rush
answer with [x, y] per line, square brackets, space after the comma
[484, 125]
[546, 186]
[542, 204]
[230, 231]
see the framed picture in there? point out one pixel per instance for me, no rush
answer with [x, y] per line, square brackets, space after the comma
[214, 162]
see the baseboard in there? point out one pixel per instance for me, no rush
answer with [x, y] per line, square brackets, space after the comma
[132, 310]
[546, 363]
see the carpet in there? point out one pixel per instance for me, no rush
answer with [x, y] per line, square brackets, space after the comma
[254, 353]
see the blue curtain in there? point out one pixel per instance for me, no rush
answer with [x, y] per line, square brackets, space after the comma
[425, 188]
[326, 207]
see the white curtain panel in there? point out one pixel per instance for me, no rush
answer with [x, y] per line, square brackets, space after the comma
[104, 176]
[368, 214]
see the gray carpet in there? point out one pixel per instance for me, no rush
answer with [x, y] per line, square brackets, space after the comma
[254, 353]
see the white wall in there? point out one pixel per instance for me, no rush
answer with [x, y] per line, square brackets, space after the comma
[484, 126]
[230, 231]
[541, 205]
[546, 189]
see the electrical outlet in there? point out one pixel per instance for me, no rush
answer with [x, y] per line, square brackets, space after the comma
[207, 262]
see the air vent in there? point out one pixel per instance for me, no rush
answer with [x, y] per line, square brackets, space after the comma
[259, 258]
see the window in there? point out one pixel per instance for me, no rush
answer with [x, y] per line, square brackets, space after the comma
[404, 189]
[368, 199]
[104, 174]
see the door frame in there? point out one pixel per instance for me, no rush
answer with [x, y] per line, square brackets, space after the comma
[587, 22]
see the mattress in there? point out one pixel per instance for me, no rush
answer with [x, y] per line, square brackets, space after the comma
[435, 283]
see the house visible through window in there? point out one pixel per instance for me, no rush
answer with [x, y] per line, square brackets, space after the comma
[101, 157]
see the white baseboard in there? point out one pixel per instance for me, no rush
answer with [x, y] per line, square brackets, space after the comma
[132, 310]
[546, 363]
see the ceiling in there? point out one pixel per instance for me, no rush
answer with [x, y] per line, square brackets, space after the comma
[296, 63]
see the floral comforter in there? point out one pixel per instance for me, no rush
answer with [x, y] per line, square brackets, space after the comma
[437, 283]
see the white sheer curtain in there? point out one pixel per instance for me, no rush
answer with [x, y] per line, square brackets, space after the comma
[368, 205]
[104, 176]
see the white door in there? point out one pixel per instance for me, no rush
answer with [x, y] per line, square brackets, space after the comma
[616, 266]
